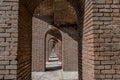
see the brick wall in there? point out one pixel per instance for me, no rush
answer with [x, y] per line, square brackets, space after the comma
[69, 48]
[86, 38]
[98, 42]
[38, 43]
[43, 28]
[8, 39]
[24, 43]
[107, 42]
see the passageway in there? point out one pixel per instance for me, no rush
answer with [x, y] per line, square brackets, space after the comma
[54, 69]
[55, 49]
[53, 62]
[54, 72]
[87, 34]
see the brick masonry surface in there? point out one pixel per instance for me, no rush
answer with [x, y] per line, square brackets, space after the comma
[8, 39]
[107, 42]
[98, 43]
[69, 44]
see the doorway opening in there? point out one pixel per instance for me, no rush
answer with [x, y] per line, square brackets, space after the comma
[45, 18]
[53, 62]
[53, 50]
[55, 41]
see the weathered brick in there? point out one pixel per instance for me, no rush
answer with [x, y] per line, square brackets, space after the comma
[11, 67]
[2, 67]
[12, 77]
[4, 72]
[109, 1]
[100, 76]
[4, 62]
[108, 71]
[1, 77]
[4, 34]
[108, 62]
[99, 1]
[13, 72]
[116, 76]
[109, 76]
[13, 62]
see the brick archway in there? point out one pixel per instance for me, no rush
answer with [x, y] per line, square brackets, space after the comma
[98, 24]
[59, 44]
[25, 37]
[55, 35]
[24, 62]
[49, 47]
[25, 31]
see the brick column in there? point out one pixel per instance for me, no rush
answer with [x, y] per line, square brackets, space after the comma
[106, 15]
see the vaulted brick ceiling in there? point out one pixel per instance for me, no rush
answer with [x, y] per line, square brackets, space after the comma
[64, 13]
[61, 11]
[45, 8]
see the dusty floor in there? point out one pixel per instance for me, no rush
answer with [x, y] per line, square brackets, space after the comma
[54, 72]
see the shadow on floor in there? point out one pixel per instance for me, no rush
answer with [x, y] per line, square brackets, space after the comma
[55, 68]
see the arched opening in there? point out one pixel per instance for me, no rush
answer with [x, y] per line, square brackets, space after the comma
[55, 36]
[53, 50]
[48, 21]
[97, 42]
[26, 15]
